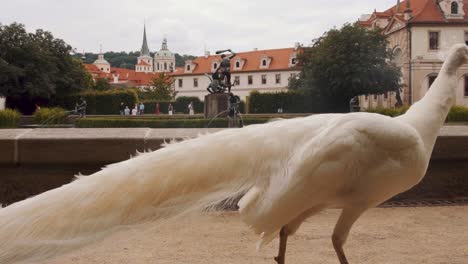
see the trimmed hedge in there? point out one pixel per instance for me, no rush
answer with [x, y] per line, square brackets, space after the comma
[389, 111]
[104, 102]
[457, 113]
[180, 105]
[47, 116]
[160, 123]
[290, 102]
[9, 118]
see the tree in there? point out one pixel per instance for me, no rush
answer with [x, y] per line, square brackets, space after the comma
[345, 63]
[101, 84]
[36, 67]
[161, 88]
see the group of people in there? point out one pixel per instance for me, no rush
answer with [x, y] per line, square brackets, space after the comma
[139, 109]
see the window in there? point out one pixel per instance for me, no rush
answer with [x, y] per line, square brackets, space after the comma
[385, 96]
[195, 82]
[366, 97]
[454, 8]
[102, 69]
[293, 75]
[431, 80]
[236, 80]
[264, 79]
[433, 40]
[466, 85]
[188, 67]
[180, 83]
[215, 65]
[165, 66]
[237, 64]
[293, 61]
[263, 62]
[278, 78]
[158, 66]
[375, 97]
[249, 79]
[466, 37]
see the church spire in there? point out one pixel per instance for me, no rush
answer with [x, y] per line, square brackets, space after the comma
[144, 48]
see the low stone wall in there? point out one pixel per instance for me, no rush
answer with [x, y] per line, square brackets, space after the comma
[36, 160]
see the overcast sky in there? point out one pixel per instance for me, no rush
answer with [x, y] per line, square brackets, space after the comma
[189, 25]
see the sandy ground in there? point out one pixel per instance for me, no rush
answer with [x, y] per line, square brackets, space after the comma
[390, 235]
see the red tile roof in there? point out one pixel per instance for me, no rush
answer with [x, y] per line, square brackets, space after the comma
[423, 11]
[252, 60]
[124, 75]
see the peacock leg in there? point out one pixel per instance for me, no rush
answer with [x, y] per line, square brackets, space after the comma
[340, 234]
[282, 246]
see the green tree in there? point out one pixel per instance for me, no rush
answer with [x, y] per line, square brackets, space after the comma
[36, 67]
[101, 84]
[161, 88]
[344, 63]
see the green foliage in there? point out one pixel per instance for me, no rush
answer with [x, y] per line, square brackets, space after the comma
[458, 113]
[9, 118]
[161, 89]
[160, 123]
[180, 59]
[105, 102]
[290, 102]
[47, 116]
[344, 63]
[101, 84]
[389, 111]
[36, 66]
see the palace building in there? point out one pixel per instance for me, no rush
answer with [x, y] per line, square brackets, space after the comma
[420, 32]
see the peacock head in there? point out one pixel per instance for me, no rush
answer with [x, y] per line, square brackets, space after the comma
[458, 55]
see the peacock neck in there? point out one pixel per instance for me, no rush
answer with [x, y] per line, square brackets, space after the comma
[428, 115]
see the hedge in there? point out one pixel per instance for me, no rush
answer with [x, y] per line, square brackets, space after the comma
[104, 102]
[457, 113]
[9, 118]
[100, 122]
[290, 102]
[47, 116]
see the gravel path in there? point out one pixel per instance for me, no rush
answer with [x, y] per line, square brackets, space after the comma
[383, 235]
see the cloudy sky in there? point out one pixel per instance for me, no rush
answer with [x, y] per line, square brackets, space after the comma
[189, 25]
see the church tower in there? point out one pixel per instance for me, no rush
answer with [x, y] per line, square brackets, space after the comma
[164, 59]
[144, 62]
[101, 63]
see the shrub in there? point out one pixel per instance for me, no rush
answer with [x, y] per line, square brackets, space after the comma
[181, 103]
[104, 102]
[46, 116]
[9, 118]
[388, 111]
[458, 113]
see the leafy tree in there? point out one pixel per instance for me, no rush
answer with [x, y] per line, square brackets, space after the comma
[161, 89]
[36, 67]
[344, 63]
[101, 84]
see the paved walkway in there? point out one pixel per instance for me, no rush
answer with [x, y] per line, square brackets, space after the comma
[382, 236]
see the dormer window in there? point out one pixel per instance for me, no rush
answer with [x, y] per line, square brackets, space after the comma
[264, 63]
[237, 64]
[188, 67]
[215, 65]
[293, 61]
[454, 8]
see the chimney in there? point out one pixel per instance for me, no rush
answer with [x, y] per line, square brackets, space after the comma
[207, 54]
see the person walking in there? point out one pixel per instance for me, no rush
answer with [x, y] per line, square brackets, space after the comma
[122, 108]
[157, 109]
[170, 109]
[190, 108]
[142, 109]
[127, 111]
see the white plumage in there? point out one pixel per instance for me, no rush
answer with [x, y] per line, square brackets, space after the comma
[288, 171]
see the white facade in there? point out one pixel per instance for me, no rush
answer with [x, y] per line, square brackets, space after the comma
[242, 89]
[164, 59]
